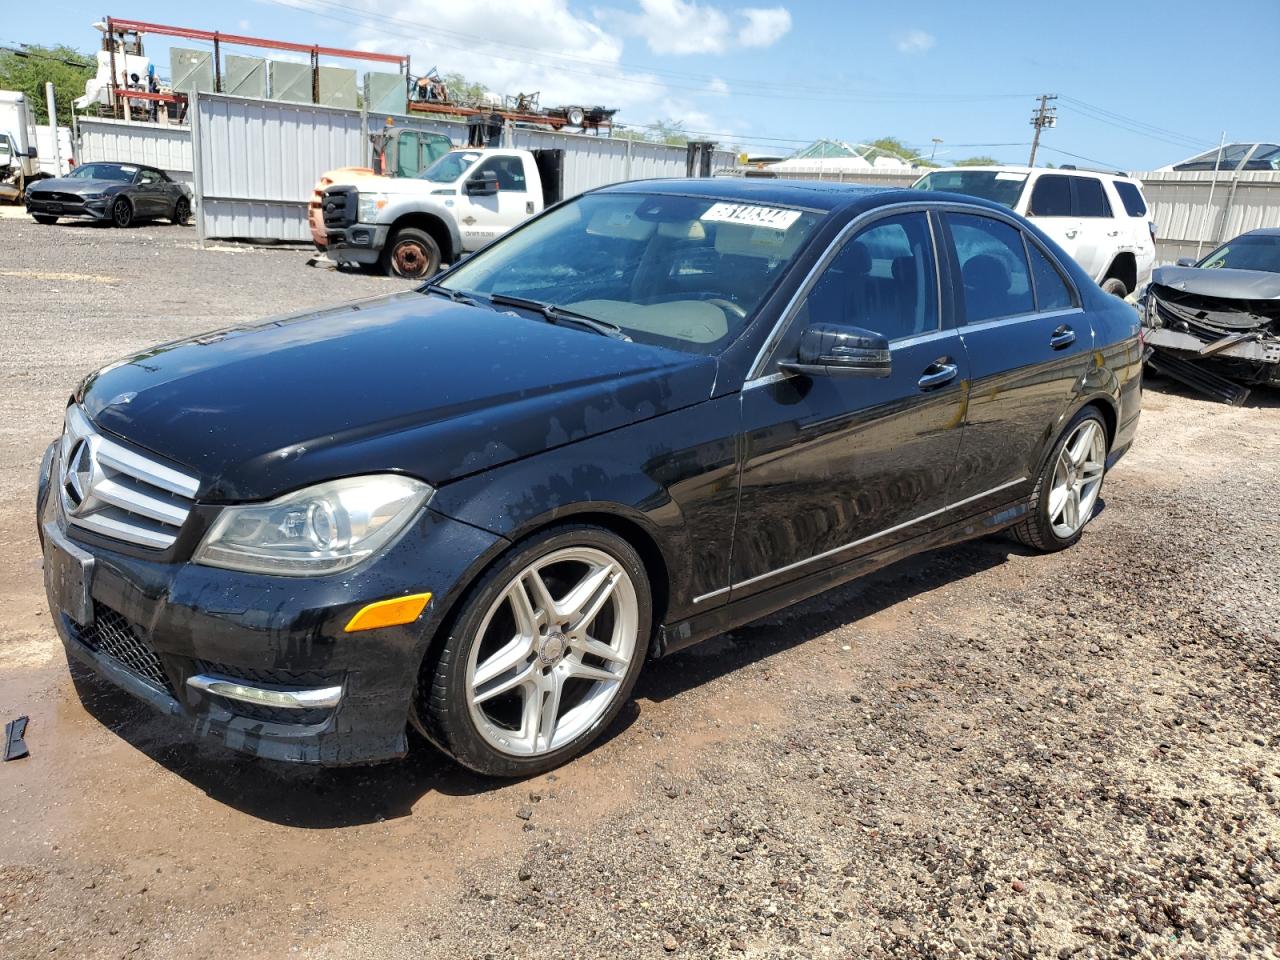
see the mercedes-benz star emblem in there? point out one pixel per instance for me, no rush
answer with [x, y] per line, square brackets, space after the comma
[79, 475]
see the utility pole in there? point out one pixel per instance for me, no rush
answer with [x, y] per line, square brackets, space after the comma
[936, 141]
[1045, 116]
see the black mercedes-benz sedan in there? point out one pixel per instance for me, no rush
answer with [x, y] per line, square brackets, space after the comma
[650, 414]
[121, 193]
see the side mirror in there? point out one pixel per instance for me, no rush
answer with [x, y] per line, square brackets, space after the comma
[1186, 261]
[833, 350]
[31, 152]
[483, 184]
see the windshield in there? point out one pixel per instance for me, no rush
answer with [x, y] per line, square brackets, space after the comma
[120, 173]
[682, 272]
[1246, 253]
[998, 186]
[5, 148]
[450, 167]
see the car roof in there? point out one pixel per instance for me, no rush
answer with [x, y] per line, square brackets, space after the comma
[1065, 171]
[1262, 232]
[812, 194]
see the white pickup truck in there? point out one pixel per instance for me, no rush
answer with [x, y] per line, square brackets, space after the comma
[410, 226]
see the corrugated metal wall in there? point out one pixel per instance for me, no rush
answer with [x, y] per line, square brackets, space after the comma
[257, 162]
[1188, 222]
[156, 145]
[871, 178]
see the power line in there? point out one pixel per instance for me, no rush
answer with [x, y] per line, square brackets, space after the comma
[1131, 125]
[22, 50]
[1068, 153]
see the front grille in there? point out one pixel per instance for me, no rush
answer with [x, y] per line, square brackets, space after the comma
[111, 490]
[113, 636]
[56, 197]
[339, 207]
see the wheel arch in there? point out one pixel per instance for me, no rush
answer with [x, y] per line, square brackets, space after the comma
[1124, 267]
[1106, 406]
[443, 233]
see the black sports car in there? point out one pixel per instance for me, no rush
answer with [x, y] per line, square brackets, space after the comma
[119, 192]
[649, 415]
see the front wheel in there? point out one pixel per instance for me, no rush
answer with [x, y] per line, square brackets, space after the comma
[411, 253]
[542, 656]
[1067, 489]
[122, 213]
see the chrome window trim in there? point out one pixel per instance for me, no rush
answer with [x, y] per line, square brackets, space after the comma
[855, 543]
[299, 698]
[1016, 318]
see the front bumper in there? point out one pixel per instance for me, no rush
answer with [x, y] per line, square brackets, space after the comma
[202, 644]
[98, 209]
[358, 243]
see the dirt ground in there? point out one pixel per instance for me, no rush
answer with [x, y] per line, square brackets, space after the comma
[978, 752]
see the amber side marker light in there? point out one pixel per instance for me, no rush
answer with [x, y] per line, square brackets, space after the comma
[389, 613]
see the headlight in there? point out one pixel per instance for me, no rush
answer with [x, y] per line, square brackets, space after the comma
[369, 205]
[319, 530]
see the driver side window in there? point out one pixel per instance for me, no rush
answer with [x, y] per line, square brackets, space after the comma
[882, 280]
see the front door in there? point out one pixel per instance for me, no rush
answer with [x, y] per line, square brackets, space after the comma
[836, 467]
[488, 217]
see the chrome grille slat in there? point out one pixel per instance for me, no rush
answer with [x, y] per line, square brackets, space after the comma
[111, 490]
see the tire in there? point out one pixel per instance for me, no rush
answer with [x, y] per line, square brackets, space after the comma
[411, 253]
[44, 218]
[181, 212]
[1115, 287]
[122, 213]
[507, 724]
[1049, 525]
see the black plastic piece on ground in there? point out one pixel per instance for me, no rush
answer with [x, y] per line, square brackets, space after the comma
[1197, 377]
[15, 748]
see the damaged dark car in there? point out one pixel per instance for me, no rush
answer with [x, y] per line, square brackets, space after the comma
[1214, 324]
[653, 413]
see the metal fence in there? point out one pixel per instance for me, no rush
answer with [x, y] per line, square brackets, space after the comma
[123, 141]
[1194, 211]
[252, 163]
[892, 179]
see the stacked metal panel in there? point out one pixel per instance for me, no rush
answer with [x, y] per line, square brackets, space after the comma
[245, 76]
[290, 81]
[191, 70]
[338, 88]
[384, 93]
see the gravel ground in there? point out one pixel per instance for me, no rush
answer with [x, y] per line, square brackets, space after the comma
[979, 752]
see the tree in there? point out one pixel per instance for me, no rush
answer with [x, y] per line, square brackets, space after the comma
[978, 162]
[28, 69]
[462, 90]
[894, 146]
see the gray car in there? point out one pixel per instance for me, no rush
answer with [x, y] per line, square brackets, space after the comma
[118, 192]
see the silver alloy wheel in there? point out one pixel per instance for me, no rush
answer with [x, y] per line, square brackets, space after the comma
[546, 675]
[1077, 478]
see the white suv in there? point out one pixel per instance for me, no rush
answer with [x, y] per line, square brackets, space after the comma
[1100, 219]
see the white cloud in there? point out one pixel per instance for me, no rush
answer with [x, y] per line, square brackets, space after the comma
[916, 41]
[765, 26]
[686, 26]
[718, 88]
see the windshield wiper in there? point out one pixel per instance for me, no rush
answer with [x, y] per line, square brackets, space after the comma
[457, 296]
[560, 315]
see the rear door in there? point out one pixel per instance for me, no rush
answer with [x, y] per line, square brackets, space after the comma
[1051, 206]
[836, 467]
[1028, 346]
[1100, 236]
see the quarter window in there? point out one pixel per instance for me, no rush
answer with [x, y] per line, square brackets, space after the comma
[1051, 197]
[1131, 197]
[1090, 200]
[1052, 292]
[882, 280]
[993, 268]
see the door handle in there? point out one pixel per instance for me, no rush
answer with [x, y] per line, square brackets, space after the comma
[1114, 233]
[937, 374]
[1064, 336]
[1071, 234]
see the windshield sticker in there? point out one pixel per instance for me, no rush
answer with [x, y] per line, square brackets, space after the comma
[1006, 175]
[749, 214]
[128, 169]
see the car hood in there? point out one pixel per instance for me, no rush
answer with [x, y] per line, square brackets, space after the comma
[77, 185]
[1227, 284]
[407, 383]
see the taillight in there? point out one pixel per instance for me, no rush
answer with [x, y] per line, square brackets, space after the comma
[1151, 225]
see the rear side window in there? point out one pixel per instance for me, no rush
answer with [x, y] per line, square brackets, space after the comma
[1052, 292]
[1051, 197]
[993, 268]
[1090, 200]
[1131, 197]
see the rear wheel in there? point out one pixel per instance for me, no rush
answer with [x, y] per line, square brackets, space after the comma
[1068, 487]
[411, 253]
[542, 656]
[122, 213]
[181, 211]
[1115, 287]
[44, 218]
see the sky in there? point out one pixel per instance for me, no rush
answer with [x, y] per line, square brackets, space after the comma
[1139, 84]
